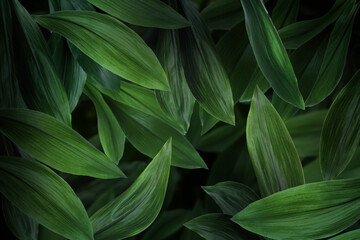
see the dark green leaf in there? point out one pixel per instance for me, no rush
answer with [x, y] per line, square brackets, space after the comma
[112, 138]
[310, 211]
[231, 197]
[285, 12]
[136, 208]
[204, 73]
[340, 136]
[44, 196]
[147, 13]
[122, 51]
[276, 162]
[55, 144]
[270, 53]
[352, 235]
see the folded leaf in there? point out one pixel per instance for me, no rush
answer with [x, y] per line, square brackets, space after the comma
[204, 73]
[122, 51]
[40, 85]
[217, 226]
[340, 136]
[55, 144]
[352, 235]
[335, 57]
[136, 208]
[178, 103]
[270, 53]
[147, 13]
[148, 134]
[276, 163]
[112, 138]
[311, 211]
[231, 197]
[44, 196]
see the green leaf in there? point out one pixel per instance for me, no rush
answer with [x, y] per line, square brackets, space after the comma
[352, 235]
[178, 103]
[270, 53]
[44, 196]
[223, 15]
[217, 226]
[296, 34]
[72, 75]
[122, 51]
[147, 13]
[55, 144]
[340, 136]
[285, 12]
[335, 57]
[20, 224]
[167, 224]
[38, 80]
[136, 208]
[112, 138]
[273, 154]
[204, 73]
[148, 134]
[231, 197]
[206, 120]
[305, 131]
[310, 211]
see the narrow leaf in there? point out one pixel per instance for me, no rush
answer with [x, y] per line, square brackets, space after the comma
[44, 196]
[270, 53]
[122, 51]
[55, 144]
[311, 211]
[273, 154]
[136, 208]
[340, 136]
[147, 13]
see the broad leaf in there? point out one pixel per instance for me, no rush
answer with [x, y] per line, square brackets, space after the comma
[148, 134]
[311, 211]
[40, 85]
[270, 53]
[122, 51]
[55, 144]
[136, 208]
[147, 13]
[231, 197]
[112, 138]
[204, 73]
[178, 103]
[273, 154]
[44, 196]
[352, 235]
[340, 136]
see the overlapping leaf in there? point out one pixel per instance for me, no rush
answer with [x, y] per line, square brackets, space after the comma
[136, 208]
[276, 162]
[55, 144]
[119, 49]
[352, 235]
[44, 196]
[310, 211]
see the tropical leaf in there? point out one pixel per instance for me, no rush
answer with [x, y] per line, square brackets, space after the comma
[122, 51]
[136, 208]
[147, 13]
[340, 136]
[273, 154]
[55, 144]
[30, 186]
[311, 211]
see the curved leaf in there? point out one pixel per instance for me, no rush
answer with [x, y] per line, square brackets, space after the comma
[273, 154]
[340, 136]
[43, 195]
[147, 13]
[352, 235]
[136, 208]
[270, 53]
[55, 144]
[122, 51]
[310, 211]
